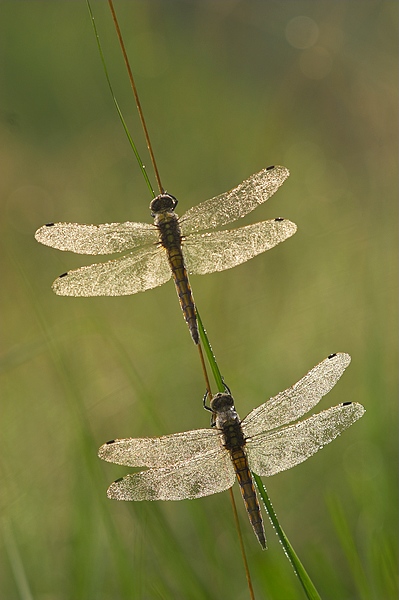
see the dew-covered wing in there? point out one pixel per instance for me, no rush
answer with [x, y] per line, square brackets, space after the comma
[270, 453]
[297, 400]
[160, 451]
[96, 239]
[236, 203]
[140, 270]
[220, 250]
[201, 476]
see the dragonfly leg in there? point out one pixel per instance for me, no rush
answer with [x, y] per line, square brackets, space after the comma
[226, 387]
[213, 417]
[204, 401]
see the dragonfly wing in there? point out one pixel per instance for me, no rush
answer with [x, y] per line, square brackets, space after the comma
[138, 271]
[220, 250]
[96, 239]
[200, 476]
[271, 453]
[291, 404]
[160, 451]
[236, 203]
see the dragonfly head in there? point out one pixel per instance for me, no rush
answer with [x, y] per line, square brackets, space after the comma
[163, 203]
[221, 402]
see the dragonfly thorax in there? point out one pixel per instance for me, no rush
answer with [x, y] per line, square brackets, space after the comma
[222, 406]
[163, 203]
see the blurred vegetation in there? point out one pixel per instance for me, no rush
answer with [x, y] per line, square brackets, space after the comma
[228, 88]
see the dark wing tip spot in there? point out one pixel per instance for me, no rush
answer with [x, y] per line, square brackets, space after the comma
[332, 355]
[346, 403]
[118, 480]
[270, 168]
[49, 224]
[279, 219]
[63, 275]
[110, 442]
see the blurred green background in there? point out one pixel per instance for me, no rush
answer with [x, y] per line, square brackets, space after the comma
[228, 87]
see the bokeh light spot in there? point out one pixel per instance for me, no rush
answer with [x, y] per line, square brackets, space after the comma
[302, 32]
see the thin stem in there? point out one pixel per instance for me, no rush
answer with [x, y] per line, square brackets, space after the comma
[131, 142]
[244, 556]
[208, 349]
[136, 96]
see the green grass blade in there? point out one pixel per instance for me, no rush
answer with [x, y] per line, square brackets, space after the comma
[307, 584]
[129, 137]
[210, 355]
[345, 536]
[15, 559]
[298, 567]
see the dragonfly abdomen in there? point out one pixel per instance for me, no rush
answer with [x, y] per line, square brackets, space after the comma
[170, 238]
[248, 492]
[234, 441]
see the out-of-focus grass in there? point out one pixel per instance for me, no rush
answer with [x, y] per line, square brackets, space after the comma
[225, 93]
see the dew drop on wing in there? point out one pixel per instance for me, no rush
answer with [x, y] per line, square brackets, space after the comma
[346, 403]
[63, 275]
[279, 219]
[49, 224]
[332, 355]
[110, 442]
[270, 168]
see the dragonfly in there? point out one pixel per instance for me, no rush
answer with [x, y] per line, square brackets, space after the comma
[270, 439]
[170, 246]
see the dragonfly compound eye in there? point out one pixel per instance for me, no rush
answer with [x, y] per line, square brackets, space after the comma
[163, 202]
